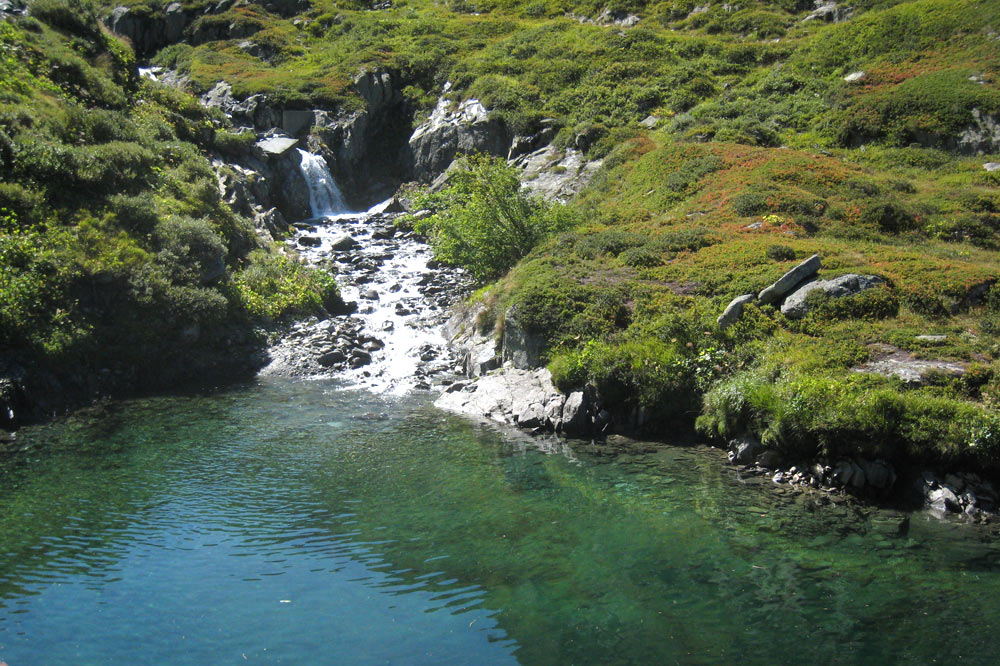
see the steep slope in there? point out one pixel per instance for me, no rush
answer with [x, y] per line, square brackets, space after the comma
[122, 269]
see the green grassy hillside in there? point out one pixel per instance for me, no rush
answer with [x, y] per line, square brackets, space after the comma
[736, 141]
[120, 267]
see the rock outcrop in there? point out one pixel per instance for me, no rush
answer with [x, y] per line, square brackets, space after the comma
[452, 130]
[266, 185]
[553, 173]
[982, 136]
[148, 30]
[909, 369]
[525, 398]
[788, 282]
[520, 346]
[796, 306]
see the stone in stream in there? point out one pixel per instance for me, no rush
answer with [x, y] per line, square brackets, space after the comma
[310, 241]
[332, 358]
[371, 295]
[343, 242]
[359, 358]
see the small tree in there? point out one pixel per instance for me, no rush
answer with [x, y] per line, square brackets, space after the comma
[485, 221]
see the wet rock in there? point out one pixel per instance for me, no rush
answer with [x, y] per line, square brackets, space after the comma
[343, 242]
[370, 294]
[734, 310]
[332, 358]
[310, 241]
[575, 417]
[359, 358]
[744, 450]
[944, 500]
[790, 280]
[796, 306]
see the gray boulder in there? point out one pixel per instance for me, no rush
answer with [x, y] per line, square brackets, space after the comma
[744, 450]
[520, 346]
[790, 280]
[453, 130]
[796, 307]
[734, 310]
[944, 500]
[343, 242]
[274, 146]
[982, 135]
[575, 418]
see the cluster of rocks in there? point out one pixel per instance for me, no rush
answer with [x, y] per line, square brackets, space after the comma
[398, 303]
[527, 399]
[858, 475]
[792, 289]
[966, 494]
[315, 347]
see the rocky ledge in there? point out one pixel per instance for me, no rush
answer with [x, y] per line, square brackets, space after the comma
[524, 398]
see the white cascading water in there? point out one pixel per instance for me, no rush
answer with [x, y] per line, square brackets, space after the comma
[325, 198]
[401, 302]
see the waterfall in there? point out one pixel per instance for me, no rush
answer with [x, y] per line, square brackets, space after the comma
[325, 198]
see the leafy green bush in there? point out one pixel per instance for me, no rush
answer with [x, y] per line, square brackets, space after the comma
[274, 285]
[780, 252]
[485, 222]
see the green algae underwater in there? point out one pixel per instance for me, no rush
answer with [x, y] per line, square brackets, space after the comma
[297, 522]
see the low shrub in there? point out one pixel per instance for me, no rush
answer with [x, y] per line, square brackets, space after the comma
[273, 285]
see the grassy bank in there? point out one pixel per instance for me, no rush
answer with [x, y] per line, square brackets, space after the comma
[121, 266]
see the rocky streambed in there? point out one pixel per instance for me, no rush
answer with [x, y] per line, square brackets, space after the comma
[398, 297]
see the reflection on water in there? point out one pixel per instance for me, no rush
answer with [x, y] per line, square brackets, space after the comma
[298, 523]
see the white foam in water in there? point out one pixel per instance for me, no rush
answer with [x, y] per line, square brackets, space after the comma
[401, 266]
[325, 198]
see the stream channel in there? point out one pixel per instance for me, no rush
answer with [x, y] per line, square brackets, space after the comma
[345, 520]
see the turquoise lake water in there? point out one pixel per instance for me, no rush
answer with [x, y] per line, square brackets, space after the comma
[298, 523]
